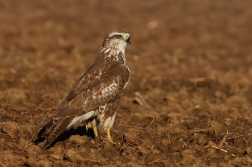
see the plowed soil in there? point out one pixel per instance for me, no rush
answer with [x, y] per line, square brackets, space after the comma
[189, 99]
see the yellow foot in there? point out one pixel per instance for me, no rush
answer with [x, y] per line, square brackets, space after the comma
[109, 136]
[94, 128]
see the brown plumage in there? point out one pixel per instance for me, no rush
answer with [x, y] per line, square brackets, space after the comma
[95, 97]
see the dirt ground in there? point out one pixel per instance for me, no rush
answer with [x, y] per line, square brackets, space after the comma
[189, 99]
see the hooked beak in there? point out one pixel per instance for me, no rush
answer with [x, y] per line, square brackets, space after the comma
[128, 40]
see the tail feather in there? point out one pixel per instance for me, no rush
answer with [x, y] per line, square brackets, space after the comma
[56, 131]
[43, 130]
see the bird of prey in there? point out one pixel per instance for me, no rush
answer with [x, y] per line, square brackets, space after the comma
[95, 96]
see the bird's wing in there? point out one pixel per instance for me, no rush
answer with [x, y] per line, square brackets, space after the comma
[94, 88]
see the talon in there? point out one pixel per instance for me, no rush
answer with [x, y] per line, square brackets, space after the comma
[109, 136]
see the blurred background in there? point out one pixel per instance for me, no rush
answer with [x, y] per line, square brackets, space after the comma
[167, 35]
[55, 41]
[191, 58]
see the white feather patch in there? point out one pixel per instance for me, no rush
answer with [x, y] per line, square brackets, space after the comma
[109, 89]
[121, 47]
[108, 123]
[81, 118]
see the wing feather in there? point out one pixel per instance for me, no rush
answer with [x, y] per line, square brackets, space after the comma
[93, 89]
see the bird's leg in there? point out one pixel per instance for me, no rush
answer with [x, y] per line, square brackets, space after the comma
[94, 128]
[109, 137]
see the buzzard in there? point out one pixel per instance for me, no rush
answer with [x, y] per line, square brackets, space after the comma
[95, 96]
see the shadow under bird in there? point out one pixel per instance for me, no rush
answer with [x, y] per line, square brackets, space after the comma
[95, 96]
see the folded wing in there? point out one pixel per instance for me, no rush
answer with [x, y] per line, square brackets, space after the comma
[93, 89]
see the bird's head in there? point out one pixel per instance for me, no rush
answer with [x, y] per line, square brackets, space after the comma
[117, 38]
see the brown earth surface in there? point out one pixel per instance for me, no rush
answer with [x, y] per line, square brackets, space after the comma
[189, 99]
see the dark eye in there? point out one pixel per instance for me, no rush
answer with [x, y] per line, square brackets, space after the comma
[118, 36]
